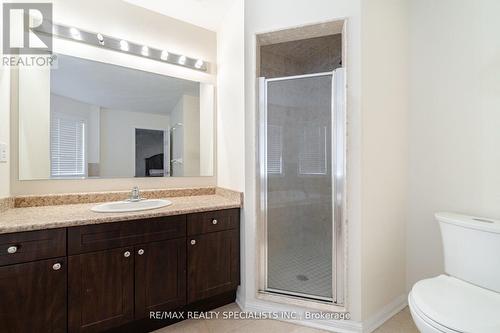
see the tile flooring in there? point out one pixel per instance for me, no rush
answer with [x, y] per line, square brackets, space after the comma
[300, 269]
[400, 323]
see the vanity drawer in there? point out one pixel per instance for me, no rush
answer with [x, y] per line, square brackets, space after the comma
[32, 245]
[202, 223]
[119, 234]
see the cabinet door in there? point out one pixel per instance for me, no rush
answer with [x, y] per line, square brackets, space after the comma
[160, 272]
[101, 290]
[213, 264]
[33, 297]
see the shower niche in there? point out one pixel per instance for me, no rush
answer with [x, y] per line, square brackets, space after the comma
[302, 152]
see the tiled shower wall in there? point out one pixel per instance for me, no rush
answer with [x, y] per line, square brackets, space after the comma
[305, 56]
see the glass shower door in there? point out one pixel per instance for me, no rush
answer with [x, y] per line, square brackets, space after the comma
[298, 185]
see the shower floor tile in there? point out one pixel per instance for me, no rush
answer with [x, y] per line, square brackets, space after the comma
[305, 270]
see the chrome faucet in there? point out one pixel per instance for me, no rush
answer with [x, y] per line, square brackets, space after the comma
[135, 195]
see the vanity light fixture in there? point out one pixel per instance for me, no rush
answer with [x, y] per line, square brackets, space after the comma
[75, 33]
[198, 64]
[164, 55]
[100, 38]
[124, 45]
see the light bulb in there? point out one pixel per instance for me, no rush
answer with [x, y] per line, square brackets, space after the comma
[182, 60]
[145, 51]
[100, 38]
[164, 55]
[198, 64]
[124, 45]
[75, 33]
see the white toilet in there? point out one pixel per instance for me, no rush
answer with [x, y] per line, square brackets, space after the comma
[467, 300]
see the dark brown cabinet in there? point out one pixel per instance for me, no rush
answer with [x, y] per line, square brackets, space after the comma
[160, 277]
[207, 222]
[117, 274]
[97, 237]
[101, 290]
[213, 264]
[33, 297]
[110, 288]
[31, 246]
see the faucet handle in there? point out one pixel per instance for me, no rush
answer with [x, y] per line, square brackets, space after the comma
[135, 194]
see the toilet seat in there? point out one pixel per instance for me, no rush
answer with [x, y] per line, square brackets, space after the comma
[450, 305]
[424, 323]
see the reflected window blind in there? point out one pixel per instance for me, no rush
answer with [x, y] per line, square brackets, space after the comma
[312, 157]
[67, 146]
[274, 149]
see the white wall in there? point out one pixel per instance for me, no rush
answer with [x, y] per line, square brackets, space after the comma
[123, 20]
[454, 121]
[94, 135]
[186, 138]
[385, 152]
[118, 139]
[4, 120]
[231, 100]
[264, 16]
[177, 137]
[34, 123]
[120, 19]
[191, 130]
[4, 128]
[207, 129]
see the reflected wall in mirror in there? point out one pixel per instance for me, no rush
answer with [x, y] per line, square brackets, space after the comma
[87, 119]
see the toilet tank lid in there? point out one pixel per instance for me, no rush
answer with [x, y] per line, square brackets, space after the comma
[471, 222]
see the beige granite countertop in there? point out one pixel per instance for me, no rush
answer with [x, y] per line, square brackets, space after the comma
[51, 217]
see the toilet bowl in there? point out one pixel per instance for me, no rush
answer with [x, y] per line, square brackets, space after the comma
[445, 304]
[467, 298]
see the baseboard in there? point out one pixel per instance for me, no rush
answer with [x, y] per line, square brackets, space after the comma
[386, 313]
[240, 297]
[338, 326]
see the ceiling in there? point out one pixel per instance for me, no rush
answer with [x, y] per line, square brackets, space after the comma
[116, 87]
[207, 14]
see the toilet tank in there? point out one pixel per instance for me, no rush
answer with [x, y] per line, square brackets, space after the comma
[471, 248]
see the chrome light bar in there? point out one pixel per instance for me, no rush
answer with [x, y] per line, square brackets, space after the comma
[124, 46]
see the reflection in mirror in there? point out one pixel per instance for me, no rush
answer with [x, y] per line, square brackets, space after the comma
[108, 121]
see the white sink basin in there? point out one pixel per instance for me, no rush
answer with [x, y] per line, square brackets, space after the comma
[130, 206]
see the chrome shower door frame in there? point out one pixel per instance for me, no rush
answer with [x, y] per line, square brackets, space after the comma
[338, 139]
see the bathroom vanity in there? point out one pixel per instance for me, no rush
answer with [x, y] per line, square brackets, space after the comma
[92, 122]
[112, 276]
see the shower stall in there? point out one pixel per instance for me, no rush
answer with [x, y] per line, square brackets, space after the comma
[302, 186]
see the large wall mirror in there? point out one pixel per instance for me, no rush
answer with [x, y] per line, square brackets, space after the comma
[87, 119]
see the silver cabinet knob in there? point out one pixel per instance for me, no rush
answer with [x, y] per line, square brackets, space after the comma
[12, 249]
[214, 221]
[56, 266]
[193, 242]
[140, 252]
[126, 254]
